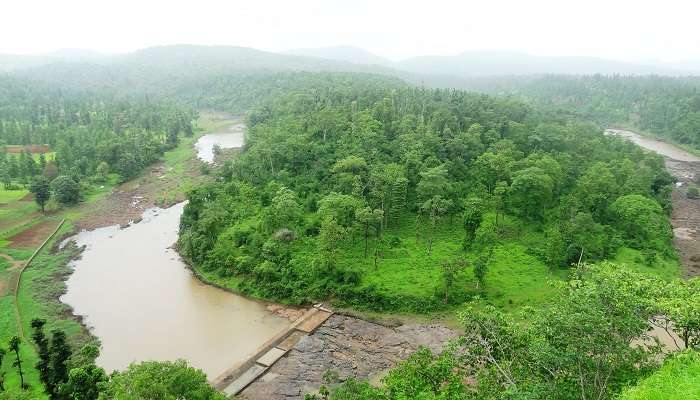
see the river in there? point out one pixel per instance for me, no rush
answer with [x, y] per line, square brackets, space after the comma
[138, 297]
[685, 217]
[230, 137]
[657, 146]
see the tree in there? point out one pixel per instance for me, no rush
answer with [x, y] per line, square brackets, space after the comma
[577, 347]
[680, 312]
[435, 208]
[491, 168]
[42, 191]
[481, 267]
[102, 171]
[641, 220]
[433, 182]
[471, 219]
[329, 237]
[284, 211]
[531, 192]
[367, 217]
[65, 190]
[44, 363]
[60, 353]
[2, 373]
[339, 206]
[14, 344]
[597, 189]
[450, 270]
[85, 383]
[172, 138]
[161, 381]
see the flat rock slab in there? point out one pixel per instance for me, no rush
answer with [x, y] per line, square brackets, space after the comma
[244, 380]
[291, 341]
[314, 321]
[349, 346]
[271, 357]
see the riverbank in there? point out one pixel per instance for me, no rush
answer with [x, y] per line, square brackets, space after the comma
[685, 217]
[43, 281]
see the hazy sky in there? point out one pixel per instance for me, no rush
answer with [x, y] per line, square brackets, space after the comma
[621, 29]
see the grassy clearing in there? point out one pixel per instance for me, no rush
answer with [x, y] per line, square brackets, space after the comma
[406, 274]
[678, 379]
[40, 287]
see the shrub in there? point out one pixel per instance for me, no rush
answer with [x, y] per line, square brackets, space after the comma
[693, 193]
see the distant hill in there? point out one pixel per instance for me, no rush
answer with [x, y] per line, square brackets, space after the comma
[169, 66]
[13, 62]
[472, 64]
[350, 54]
[490, 63]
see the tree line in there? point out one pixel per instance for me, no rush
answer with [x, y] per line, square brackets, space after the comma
[668, 107]
[91, 137]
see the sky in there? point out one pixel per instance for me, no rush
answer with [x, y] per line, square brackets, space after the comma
[638, 30]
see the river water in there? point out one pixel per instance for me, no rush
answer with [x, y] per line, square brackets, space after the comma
[229, 138]
[137, 296]
[663, 148]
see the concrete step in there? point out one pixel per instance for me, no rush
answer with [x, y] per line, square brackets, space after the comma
[245, 379]
[289, 343]
[271, 357]
[314, 321]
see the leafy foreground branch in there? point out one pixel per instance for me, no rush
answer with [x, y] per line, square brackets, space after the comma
[590, 343]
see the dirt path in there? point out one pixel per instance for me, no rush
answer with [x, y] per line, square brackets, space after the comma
[685, 218]
[9, 275]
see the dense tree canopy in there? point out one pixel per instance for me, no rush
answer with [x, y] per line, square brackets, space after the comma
[336, 158]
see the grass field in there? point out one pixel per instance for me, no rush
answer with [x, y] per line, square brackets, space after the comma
[678, 379]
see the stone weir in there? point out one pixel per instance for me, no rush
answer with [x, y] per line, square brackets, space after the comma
[238, 377]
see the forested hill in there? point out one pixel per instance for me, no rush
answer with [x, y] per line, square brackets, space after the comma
[164, 69]
[398, 198]
[668, 107]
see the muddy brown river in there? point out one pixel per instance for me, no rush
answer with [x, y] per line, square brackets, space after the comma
[137, 296]
[663, 148]
[228, 138]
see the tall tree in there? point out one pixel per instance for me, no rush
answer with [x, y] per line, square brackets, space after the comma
[44, 363]
[42, 191]
[60, 353]
[14, 345]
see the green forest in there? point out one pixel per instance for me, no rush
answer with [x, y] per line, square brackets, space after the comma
[409, 199]
[667, 107]
[545, 241]
[90, 138]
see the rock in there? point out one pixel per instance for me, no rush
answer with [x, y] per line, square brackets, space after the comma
[349, 346]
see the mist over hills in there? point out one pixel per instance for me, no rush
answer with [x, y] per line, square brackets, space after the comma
[471, 64]
[165, 66]
[343, 53]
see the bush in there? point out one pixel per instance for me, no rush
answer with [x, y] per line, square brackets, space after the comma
[693, 193]
[65, 190]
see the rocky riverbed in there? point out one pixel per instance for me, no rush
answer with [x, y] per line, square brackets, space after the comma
[685, 218]
[349, 346]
